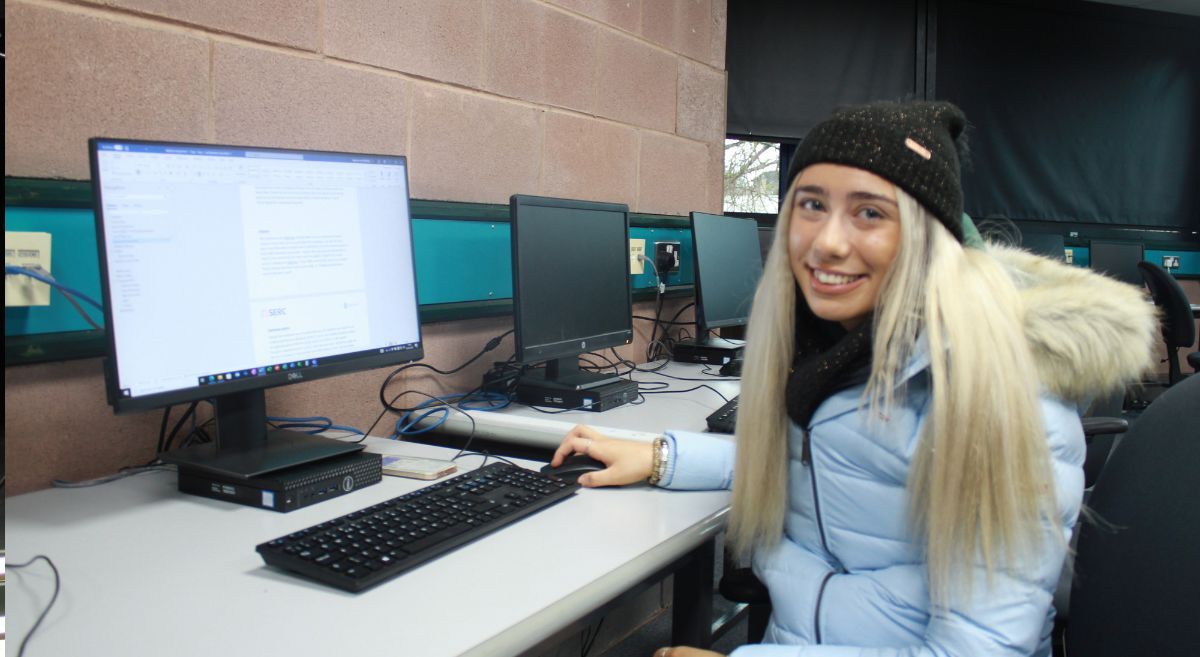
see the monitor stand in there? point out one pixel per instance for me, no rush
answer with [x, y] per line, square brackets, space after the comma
[564, 373]
[245, 448]
[714, 351]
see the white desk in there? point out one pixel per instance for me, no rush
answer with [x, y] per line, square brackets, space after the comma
[147, 570]
[521, 425]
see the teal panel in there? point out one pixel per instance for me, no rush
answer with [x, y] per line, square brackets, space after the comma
[462, 260]
[1189, 261]
[1081, 256]
[74, 262]
[686, 274]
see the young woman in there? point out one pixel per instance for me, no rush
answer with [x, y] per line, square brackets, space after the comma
[906, 472]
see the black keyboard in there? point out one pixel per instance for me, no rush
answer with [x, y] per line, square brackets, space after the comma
[724, 419]
[372, 545]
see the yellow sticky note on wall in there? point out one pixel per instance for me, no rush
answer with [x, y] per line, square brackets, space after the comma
[29, 250]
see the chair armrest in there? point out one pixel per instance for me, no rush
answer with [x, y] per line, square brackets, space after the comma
[741, 585]
[1094, 426]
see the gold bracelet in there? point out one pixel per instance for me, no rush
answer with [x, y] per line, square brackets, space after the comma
[665, 448]
[656, 464]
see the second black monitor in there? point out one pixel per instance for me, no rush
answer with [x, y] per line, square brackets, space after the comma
[728, 265]
[570, 293]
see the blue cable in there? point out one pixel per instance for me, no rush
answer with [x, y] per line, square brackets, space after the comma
[405, 426]
[10, 269]
[315, 424]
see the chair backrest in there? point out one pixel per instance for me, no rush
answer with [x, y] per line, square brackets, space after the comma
[1178, 326]
[1137, 568]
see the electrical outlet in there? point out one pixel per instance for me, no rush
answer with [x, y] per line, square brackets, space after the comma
[1170, 262]
[637, 248]
[666, 258]
[28, 250]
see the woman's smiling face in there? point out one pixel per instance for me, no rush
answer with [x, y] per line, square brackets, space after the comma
[844, 234]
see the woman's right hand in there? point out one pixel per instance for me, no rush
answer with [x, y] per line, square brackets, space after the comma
[628, 461]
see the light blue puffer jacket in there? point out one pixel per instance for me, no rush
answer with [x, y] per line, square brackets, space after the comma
[848, 578]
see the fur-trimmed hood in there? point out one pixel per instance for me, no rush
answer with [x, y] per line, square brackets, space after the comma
[1089, 334]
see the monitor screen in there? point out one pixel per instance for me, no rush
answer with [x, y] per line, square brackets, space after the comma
[728, 266]
[227, 270]
[570, 282]
[1117, 260]
[1050, 246]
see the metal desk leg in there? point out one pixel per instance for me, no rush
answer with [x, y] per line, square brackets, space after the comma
[692, 607]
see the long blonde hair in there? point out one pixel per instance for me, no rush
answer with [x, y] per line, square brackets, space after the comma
[980, 482]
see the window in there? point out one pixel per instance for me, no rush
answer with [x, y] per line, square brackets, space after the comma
[751, 176]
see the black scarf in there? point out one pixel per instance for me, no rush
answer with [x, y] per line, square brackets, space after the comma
[828, 359]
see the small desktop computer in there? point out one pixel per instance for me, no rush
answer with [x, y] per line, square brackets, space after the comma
[570, 263]
[228, 270]
[728, 261]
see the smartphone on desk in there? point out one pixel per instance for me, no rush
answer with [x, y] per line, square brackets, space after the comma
[417, 468]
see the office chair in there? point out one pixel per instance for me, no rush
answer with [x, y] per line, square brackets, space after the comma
[743, 586]
[1137, 569]
[1102, 425]
[1101, 429]
[1178, 327]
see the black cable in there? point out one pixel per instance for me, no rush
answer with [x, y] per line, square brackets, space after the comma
[668, 392]
[651, 352]
[614, 364]
[162, 432]
[179, 425]
[486, 456]
[684, 378]
[674, 320]
[391, 406]
[79, 309]
[454, 407]
[664, 384]
[491, 344]
[42, 616]
[651, 319]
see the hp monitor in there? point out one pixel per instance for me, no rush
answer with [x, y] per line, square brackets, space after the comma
[227, 270]
[570, 287]
[728, 261]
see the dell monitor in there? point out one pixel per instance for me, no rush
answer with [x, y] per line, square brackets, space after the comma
[1118, 260]
[570, 264]
[728, 261]
[227, 270]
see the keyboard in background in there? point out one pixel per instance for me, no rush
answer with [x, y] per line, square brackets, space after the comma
[370, 546]
[724, 419]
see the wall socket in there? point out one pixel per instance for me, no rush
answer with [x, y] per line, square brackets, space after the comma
[28, 250]
[666, 258]
[637, 247]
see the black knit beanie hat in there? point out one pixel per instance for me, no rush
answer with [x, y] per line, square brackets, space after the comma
[916, 145]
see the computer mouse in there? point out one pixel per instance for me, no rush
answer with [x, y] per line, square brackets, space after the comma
[732, 368]
[574, 466]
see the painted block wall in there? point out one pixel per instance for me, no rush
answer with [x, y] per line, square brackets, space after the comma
[611, 101]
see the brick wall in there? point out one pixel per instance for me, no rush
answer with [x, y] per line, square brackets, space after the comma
[613, 100]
